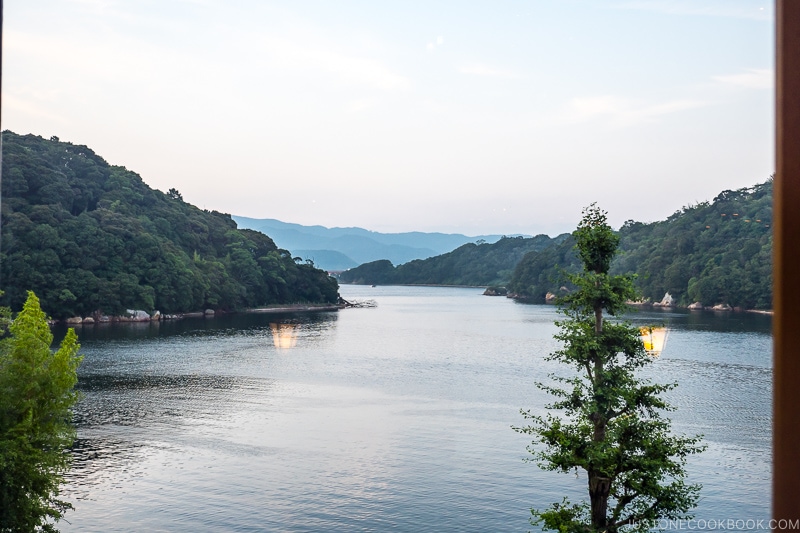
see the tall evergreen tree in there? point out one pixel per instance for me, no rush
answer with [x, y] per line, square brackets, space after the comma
[36, 397]
[609, 421]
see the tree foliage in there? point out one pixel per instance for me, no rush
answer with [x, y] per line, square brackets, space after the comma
[608, 422]
[538, 273]
[88, 236]
[712, 252]
[36, 397]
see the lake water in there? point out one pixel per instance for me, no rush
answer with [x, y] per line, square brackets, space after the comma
[394, 418]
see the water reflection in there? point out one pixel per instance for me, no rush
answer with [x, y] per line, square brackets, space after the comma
[103, 458]
[700, 320]
[284, 335]
[232, 324]
[704, 320]
[393, 418]
[122, 419]
[138, 400]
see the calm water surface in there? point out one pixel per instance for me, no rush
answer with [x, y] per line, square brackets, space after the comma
[395, 418]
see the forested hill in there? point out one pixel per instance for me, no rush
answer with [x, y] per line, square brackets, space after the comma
[713, 253]
[477, 264]
[88, 236]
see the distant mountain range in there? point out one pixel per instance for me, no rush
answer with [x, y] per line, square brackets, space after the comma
[336, 249]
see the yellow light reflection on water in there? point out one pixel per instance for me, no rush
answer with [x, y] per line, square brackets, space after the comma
[284, 335]
[654, 339]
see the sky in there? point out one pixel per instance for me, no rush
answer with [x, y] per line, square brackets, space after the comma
[490, 117]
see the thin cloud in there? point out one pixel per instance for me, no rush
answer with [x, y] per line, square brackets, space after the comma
[82, 56]
[96, 4]
[623, 112]
[351, 69]
[26, 106]
[433, 45]
[357, 69]
[479, 69]
[753, 78]
[362, 104]
[708, 8]
[589, 107]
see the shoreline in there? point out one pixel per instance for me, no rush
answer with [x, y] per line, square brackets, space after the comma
[296, 308]
[526, 300]
[652, 305]
[416, 285]
[291, 308]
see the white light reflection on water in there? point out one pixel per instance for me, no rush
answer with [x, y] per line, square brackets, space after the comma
[395, 418]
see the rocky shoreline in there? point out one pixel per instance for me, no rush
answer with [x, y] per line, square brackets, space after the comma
[668, 302]
[131, 315]
[294, 308]
[137, 315]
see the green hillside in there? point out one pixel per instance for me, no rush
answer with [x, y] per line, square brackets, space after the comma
[476, 264]
[88, 236]
[713, 252]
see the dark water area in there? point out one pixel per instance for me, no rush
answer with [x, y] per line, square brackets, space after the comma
[395, 418]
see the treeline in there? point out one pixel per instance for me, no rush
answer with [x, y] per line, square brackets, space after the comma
[476, 264]
[87, 236]
[713, 252]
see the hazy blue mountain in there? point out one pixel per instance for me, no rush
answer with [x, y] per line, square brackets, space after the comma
[327, 246]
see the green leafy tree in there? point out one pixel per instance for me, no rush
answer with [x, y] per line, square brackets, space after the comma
[36, 397]
[89, 238]
[711, 252]
[609, 421]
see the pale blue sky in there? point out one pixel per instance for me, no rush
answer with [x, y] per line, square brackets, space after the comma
[469, 117]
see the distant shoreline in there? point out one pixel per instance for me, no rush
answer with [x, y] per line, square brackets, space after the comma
[293, 308]
[415, 285]
[523, 300]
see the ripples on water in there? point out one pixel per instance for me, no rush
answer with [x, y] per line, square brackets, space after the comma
[388, 419]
